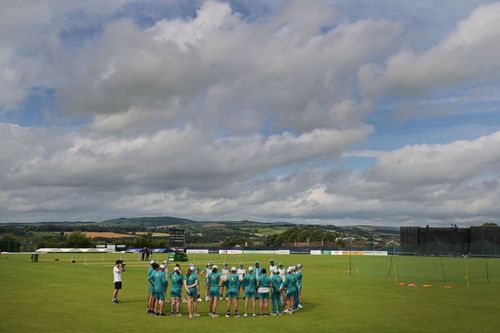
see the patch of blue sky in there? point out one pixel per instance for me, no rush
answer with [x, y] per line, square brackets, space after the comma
[33, 110]
[79, 35]
[39, 109]
[462, 121]
[256, 9]
[426, 21]
[357, 163]
[147, 13]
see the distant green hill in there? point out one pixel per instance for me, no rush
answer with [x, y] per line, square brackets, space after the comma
[146, 221]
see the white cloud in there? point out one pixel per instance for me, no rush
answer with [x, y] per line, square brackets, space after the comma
[217, 70]
[469, 54]
[439, 164]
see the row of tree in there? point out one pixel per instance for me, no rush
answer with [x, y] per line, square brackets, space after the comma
[302, 234]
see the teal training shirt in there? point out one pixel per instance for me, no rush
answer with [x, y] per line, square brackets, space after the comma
[299, 277]
[250, 283]
[213, 279]
[264, 281]
[294, 280]
[276, 281]
[289, 282]
[232, 282]
[150, 275]
[191, 279]
[158, 281]
[176, 281]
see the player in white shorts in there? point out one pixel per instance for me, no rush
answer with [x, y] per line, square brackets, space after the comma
[272, 267]
[241, 275]
[205, 273]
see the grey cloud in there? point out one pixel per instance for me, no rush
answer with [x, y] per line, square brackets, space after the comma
[155, 183]
[175, 158]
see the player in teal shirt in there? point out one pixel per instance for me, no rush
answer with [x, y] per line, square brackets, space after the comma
[277, 286]
[158, 280]
[214, 282]
[232, 294]
[191, 285]
[290, 289]
[151, 299]
[250, 283]
[296, 293]
[175, 291]
[264, 285]
[298, 275]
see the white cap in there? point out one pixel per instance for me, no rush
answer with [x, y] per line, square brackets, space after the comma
[299, 265]
[176, 269]
[233, 269]
[289, 270]
[152, 262]
[250, 268]
[162, 266]
[192, 268]
[275, 270]
[214, 266]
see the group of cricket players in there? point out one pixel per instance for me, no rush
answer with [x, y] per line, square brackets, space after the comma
[282, 285]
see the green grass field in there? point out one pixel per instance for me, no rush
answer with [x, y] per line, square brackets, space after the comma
[60, 296]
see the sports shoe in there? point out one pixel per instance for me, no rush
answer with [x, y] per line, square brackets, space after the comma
[227, 298]
[190, 316]
[196, 314]
[273, 314]
[300, 306]
[245, 315]
[178, 314]
[228, 316]
[254, 315]
[236, 315]
[215, 315]
[200, 300]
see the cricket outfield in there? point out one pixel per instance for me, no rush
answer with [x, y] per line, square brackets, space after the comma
[57, 295]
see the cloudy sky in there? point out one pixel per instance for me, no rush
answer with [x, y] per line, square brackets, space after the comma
[334, 111]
